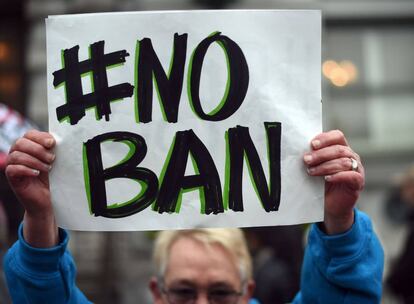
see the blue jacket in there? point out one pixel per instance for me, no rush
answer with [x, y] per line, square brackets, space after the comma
[345, 268]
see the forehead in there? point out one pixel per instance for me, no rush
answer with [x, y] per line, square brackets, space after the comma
[193, 261]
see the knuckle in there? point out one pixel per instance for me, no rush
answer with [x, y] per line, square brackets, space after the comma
[355, 179]
[358, 181]
[20, 143]
[339, 133]
[10, 171]
[31, 133]
[17, 158]
[346, 162]
[341, 150]
[315, 158]
[11, 159]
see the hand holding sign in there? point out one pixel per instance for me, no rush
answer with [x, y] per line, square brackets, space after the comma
[332, 158]
[28, 165]
[30, 157]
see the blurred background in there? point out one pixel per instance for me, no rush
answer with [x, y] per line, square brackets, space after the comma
[368, 92]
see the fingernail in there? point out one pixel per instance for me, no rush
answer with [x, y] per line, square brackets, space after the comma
[48, 167]
[328, 177]
[52, 157]
[316, 143]
[36, 172]
[49, 142]
[307, 158]
[311, 170]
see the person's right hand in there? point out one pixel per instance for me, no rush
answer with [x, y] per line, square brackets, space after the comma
[27, 169]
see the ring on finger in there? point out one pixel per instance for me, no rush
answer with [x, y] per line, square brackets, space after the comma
[354, 164]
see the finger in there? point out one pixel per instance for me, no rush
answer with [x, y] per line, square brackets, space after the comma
[335, 137]
[317, 157]
[21, 158]
[42, 138]
[34, 149]
[19, 171]
[353, 180]
[331, 167]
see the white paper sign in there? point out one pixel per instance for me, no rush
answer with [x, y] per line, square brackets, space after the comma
[170, 120]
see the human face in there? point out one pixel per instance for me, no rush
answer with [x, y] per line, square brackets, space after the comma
[204, 269]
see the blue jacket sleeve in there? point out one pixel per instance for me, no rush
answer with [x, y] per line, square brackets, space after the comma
[345, 268]
[42, 275]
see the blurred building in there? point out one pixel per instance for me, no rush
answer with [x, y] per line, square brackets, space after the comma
[368, 92]
[12, 54]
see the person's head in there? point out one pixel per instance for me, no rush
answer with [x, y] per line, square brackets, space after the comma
[202, 264]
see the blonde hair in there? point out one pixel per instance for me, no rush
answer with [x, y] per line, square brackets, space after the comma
[231, 239]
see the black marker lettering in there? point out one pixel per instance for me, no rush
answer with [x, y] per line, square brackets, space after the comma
[240, 145]
[127, 169]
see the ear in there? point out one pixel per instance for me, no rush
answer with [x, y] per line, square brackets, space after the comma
[156, 293]
[251, 285]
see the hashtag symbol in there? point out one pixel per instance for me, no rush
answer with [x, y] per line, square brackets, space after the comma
[101, 96]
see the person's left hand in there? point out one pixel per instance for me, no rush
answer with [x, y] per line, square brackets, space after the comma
[332, 158]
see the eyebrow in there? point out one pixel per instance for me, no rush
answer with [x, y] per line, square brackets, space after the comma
[218, 284]
[182, 282]
[221, 285]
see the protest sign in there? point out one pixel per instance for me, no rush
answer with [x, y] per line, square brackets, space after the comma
[170, 120]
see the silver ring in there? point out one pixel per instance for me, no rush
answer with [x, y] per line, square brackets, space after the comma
[354, 164]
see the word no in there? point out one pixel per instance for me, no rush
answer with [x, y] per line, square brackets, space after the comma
[148, 69]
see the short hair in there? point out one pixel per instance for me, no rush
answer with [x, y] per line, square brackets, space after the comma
[231, 239]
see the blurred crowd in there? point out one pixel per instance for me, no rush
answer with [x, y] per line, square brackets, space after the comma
[400, 208]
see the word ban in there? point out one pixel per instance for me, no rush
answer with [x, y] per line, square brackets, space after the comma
[165, 193]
